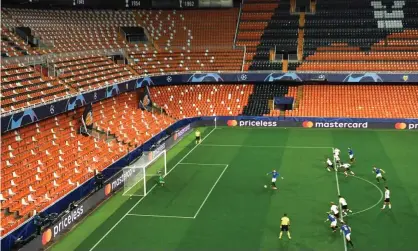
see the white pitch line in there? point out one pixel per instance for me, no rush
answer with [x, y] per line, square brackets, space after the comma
[338, 190]
[200, 164]
[162, 216]
[255, 146]
[210, 191]
[123, 217]
[373, 206]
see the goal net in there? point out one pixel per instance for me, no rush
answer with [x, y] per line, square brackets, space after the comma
[144, 173]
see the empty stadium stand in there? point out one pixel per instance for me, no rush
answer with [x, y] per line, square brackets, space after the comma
[46, 160]
[357, 101]
[258, 102]
[131, 126]
[181, 101]
[154, 62]
[254, 18]
[84, 73]
[280, 34]
[361, 36]
[23, 86]
[75, 30]
[43, 161]
[180, 42]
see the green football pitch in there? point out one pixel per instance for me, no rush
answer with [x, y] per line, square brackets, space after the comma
[215, 198]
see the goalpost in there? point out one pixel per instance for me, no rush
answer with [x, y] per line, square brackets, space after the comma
[147, 168]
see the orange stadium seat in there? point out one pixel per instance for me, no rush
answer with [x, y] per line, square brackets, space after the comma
[64, 158]
[182, 101]
[357, 101]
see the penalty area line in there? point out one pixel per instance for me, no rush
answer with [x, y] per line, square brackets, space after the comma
[152, 188]
[202, 164]
[161, 216]
[210, 191]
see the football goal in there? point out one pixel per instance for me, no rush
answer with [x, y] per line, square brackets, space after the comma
[143, 174]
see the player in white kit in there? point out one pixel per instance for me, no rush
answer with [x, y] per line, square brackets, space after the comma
[335, 211]
[344, 205]
[330, 165]
[387, 199]
[346, 167]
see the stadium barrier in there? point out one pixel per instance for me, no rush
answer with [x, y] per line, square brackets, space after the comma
[180, 129]
[26, 229]
[112, 185]
[16, 119]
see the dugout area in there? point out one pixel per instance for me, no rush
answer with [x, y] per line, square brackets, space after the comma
[215, 197]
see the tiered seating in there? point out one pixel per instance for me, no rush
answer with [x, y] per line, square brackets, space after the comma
[182, 101]
[23, 86]
[90, 72]
[358, 101]
[43, 161]
[121, 116]
[183, 43]
[281, 34]
[254, 18]
[152, 62]
[346, 35]
[292, 92]
[12, 45]
[258, 102]
[76, 30]
[173, 30]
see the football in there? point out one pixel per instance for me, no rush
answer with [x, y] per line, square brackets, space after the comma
[265, 186]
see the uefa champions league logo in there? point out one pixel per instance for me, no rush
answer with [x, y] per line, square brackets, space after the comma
[243, 77]
[169, 79]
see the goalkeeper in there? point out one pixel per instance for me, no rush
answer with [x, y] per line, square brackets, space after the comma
[161, 181]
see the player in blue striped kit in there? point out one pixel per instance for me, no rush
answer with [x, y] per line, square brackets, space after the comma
[379, 174]
[351, 155]
[346, 230]
[331, 218]
[274, 176]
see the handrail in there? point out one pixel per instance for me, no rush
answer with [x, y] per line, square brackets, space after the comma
[243, 58]
[238, 22]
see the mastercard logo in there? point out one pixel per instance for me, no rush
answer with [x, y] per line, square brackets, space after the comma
[307, 124]
[46, 237]
[400, 126]
[232, 123]
[108, 189]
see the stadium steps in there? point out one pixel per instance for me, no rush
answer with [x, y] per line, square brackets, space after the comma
[301, 33]
[313, 6]
[130, 67]
[254, 19]
[285, 66]
[292, 6]
[258, 103]
[150, 39]
[299, 96]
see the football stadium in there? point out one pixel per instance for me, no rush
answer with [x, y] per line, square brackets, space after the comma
[209, 125]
